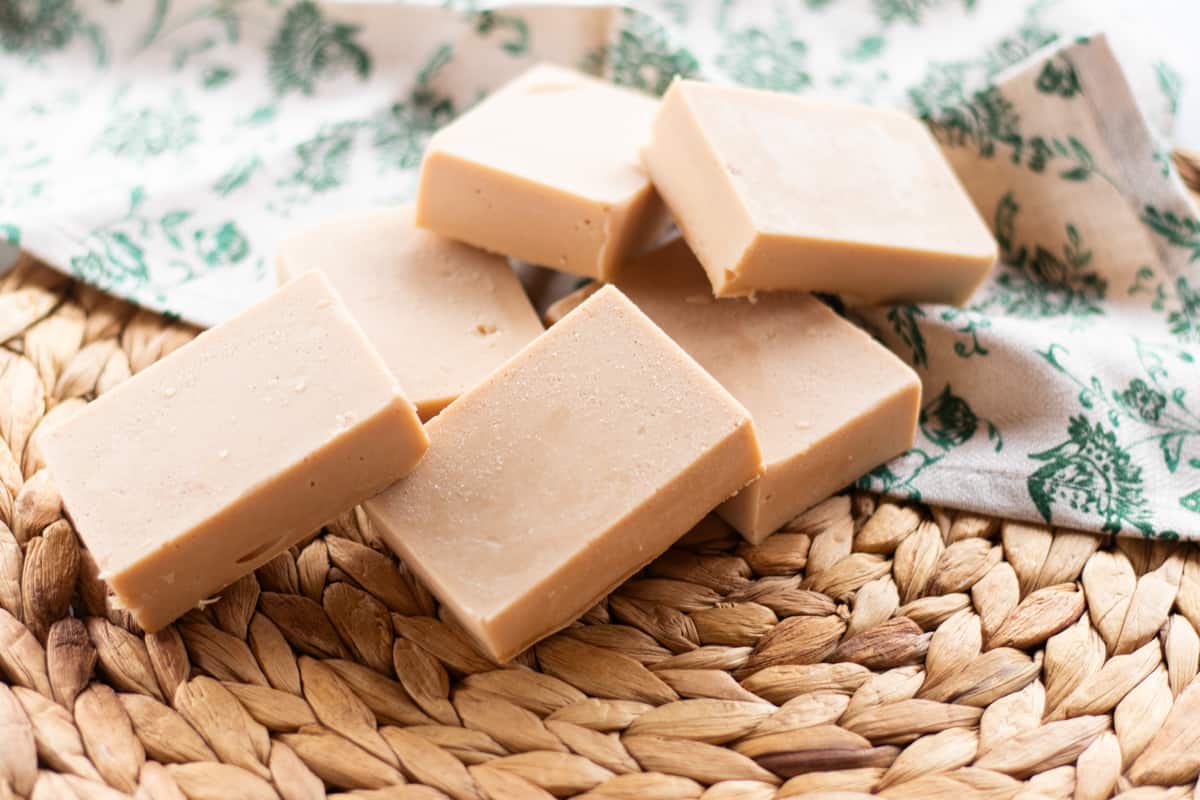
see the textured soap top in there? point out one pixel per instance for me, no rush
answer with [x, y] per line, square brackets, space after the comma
[218, 418]
[442, 314]
[546, 170]
[568, 469]
[800, 369]
[777, 192]
[537, 126]
[829, 402]
[829, 170]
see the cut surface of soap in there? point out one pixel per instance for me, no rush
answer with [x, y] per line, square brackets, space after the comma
[220, 456]
[442, 314]
[547, 170]
[829, 403]
[774, 192]
[566, 471]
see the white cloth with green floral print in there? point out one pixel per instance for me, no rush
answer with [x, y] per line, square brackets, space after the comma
[160, 150]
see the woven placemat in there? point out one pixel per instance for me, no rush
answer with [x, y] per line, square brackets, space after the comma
[870, 647]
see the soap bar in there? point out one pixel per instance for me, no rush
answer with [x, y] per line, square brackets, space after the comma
[774, 191]
[569, 302]
[546, 170]
[220, 456]
[443, 315]
[567, 470]
[828, 401]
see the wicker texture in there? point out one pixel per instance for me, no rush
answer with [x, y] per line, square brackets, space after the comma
[870, 647]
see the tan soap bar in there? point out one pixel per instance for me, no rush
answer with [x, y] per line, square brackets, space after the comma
[220, 456]
[566, 471]
[443, 315]
[774, 191]
[828, 401]
[546, 170]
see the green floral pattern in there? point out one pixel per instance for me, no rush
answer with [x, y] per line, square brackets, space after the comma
[308, 48]
[400, 132]
[221, 245]
[1142, 400]
[1034, 282]
[643, 56]
[906, 323]
[1184, 321]
[1058, 78]
[237, 175]
[1178, 301]
[35, 28]
[757, 58]
[911, 12]
[1171, 84]
[964, 107]
[944, 96]
[160, 149]
[1031, 283]
[1181, 232]
[114, 256]
[513, 30]
[946, 422]
[1150, 422]
[146, 132]
[1092, 475]
[989, 122]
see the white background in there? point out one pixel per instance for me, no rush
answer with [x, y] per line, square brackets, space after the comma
[1172, 25]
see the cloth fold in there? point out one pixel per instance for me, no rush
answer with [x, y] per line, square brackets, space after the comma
[159, 151]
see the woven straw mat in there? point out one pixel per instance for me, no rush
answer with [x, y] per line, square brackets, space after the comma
[868, 648]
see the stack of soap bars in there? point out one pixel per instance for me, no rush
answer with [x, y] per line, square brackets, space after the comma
[523, 473]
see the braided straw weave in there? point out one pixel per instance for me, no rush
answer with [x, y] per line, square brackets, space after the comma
[870, 647]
